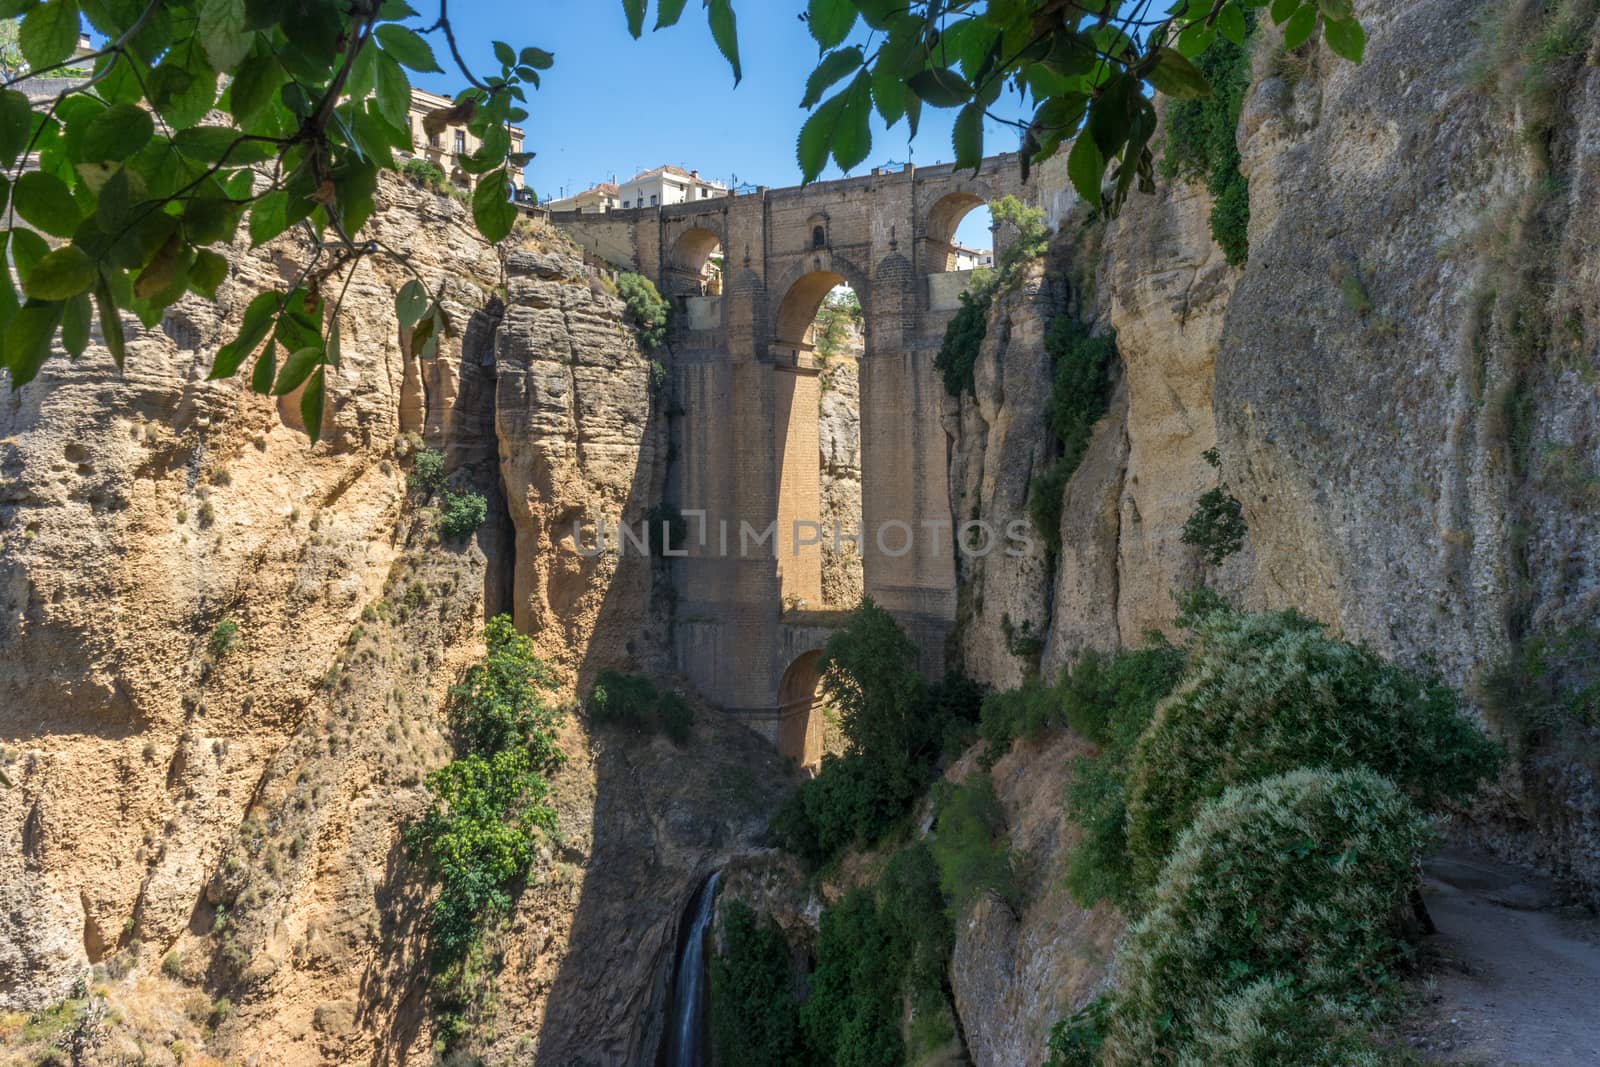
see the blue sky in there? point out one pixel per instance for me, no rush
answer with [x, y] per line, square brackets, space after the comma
[613, 105]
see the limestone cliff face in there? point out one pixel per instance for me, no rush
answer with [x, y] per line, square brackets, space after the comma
[1399, 381]
[839, 441]
[580, 441]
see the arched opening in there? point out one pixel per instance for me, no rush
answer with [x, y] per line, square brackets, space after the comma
[694, 265]
[821, 331]
[801, 718]
[819, 237]
[958, 239]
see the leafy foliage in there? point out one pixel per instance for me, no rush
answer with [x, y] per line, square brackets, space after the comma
[647, 308]
[125, 170]
[476, 840]
[839, 315]
[1548, 689]
[963, 337]
[1088, 71]
[1267, 693]
[425, 174]
[1216, 526]
[755, 1018]
[1299, 881]
[427, 472]
[634, 702]
[969, 845]
[224, 636]
[1202, 141]
[462, 513]
[1080, 393]
[895, 727]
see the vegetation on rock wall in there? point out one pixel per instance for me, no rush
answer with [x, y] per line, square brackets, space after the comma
[969, 845]
[839, 314]
[462, 513]
[1216, 526]
[634, 702]
[1202, 142]
[895, 726]
[647, 308]
[755, 1018]
[487, 810]
[1266, 819]
[1079, 395]
[963, 337]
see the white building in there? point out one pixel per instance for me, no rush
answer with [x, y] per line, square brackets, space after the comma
[667, 185]
[964, 258]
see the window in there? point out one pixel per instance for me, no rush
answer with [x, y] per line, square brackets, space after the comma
[704, 193]
[652, 199]
[433, 140]
[819, 237]
[627, 203]
[461, 142]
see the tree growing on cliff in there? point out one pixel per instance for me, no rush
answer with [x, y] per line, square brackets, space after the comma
[119, 194]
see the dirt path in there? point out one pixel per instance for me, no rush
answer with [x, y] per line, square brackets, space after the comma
[1512, 977]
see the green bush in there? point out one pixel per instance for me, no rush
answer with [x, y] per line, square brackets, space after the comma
[462, 514]
[632, 701]
[970, 848]
[1269, 1023]
[1548, 689]
[1301, 878]
[427, 472]
[476, 841]
[963, 337]
[849, 802]
[1267, 693]
[498, 702]
[755, 1019]
[224, 635]
[649, 311]
[425, 174]
[1216, 526]
[1202, 143]
[1079, 395]
[1076, 1040]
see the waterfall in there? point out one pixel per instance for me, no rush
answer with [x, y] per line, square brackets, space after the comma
[686, 1026]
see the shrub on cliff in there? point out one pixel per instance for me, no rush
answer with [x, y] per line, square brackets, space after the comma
[755, 1018]
[1080, 393]
[646, 307]
[634, 702]
[969, 845]
[425, 174]
[462, 513]
[427, 472]
[1267, 693]
[1299, 881]
[499, 703]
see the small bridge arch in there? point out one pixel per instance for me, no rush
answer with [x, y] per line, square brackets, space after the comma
[801, 724]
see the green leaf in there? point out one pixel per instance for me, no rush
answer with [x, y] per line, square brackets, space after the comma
[64, 273]
[49, 33]
[257, 321]
[110, 320]
[1176, 76]
[410, 304]
[538, 58]
[1230, 24]
[253, 86]
[634, 9]
[333, 343]
[296, 369]
[222, 33]
[209, 269]
[852, 137]
[268, 218]
[667, 13]
[10, 9]
[505, 54]
[28, 249]
[725, 31]
[492, 210]
[1086, 167]
[967, 137]
[834, 66]
[940, 86]
[393, 91]
[266, 366]
[27, 340]
[1300, 27]
[1196, 39]
[116, 133]
[395, 10]
[1337, 10]
[1345, 37]
[75, 319]
[43, 199]
[162, 271]
[16, 124]
[311, 406]
[1282, 9]
[830, 21]
[408, 48]
[816, 137]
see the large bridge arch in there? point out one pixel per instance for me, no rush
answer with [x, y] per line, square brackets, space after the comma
[801, 732]
[742, 366]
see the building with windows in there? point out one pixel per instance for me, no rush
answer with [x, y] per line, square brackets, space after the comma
[656, 187]
[445, 147]
[970, 258]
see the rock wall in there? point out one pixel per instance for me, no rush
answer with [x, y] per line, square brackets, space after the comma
[1400, 381]
[839, 441]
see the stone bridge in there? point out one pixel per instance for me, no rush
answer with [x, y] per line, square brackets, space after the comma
[745, 410]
